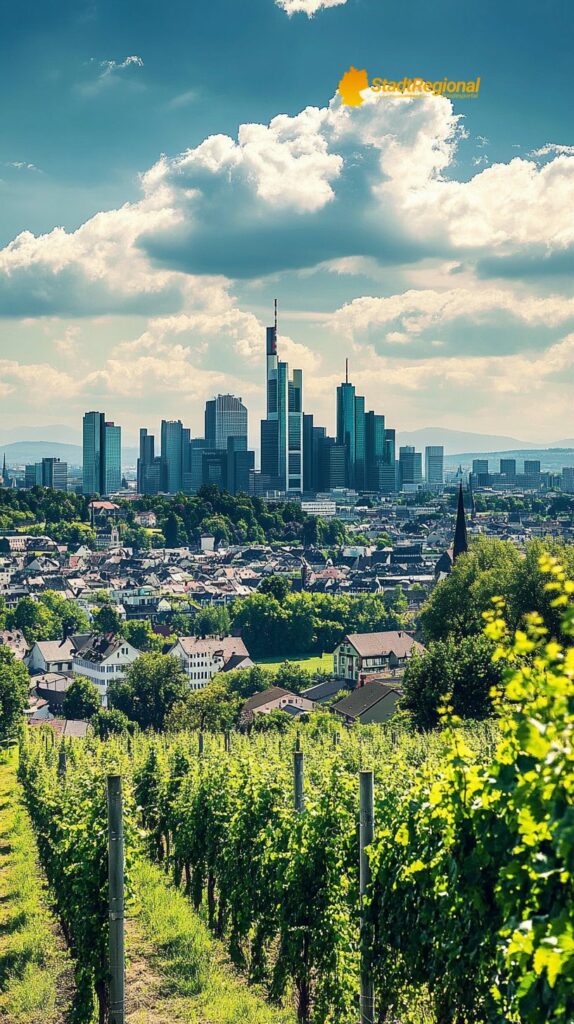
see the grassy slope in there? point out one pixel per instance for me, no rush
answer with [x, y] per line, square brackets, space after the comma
[36, 983]
[176, 972]
[312, 662]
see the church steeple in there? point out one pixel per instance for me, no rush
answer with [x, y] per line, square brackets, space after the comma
[460, 538]
[4, 472]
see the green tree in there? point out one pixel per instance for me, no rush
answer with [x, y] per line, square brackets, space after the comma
[153, 683]
[461, 668]
[107, 620]
[212, 619]
[109, 722]
[35, 620]
[214, 708]
[82, 700]
[14, 683]
[140, 634]
[277, 586]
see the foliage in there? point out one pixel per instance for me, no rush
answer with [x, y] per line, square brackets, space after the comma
[493, 568]
[109, 722]
[14, 683]
[107, 620]
[463, 669]
[153, 683]
[48, 618]
[306, 622]
[81, 700]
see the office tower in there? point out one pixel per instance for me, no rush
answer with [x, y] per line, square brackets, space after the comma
[332, 464]
[225, 417]
[390, 447]
[434, 464]
[410, 466]
[112, 458]
[532, 467]
[508, 469]
[311, 437]
[282, 429]
[54, 474]
[240, 464]
[347, 425]
[388, 478]
[94, 444]
[150, 467]
[374, 450]
[480, 467]
[173, 438]
[33, 475]
[568, 479]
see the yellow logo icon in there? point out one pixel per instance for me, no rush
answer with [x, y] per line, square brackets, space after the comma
[351, 86]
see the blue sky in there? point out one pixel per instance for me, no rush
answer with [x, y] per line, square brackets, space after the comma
[165, 171]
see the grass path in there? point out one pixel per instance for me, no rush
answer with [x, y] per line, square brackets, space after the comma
[311, 662]
[176, 972]
[36, 974]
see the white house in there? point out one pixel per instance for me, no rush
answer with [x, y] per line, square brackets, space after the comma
[203, 657]
[51, 656]
[104, 660]
[364, 654]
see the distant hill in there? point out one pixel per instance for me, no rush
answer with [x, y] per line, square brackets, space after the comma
[466, 441]
[551, 459]
[21, 452]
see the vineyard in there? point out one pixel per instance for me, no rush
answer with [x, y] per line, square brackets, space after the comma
[467, 910]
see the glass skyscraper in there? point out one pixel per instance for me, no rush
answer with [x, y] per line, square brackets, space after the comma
[225, 417]
[112, 458]
[282, 430]
[172, 444]
[102, 455]
[434, 464]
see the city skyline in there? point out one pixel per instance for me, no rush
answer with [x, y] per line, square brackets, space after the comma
[154, 207]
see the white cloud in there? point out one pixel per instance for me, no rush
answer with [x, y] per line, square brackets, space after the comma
[553, 149]
[416, 311]
[111, 66]
[308, 7]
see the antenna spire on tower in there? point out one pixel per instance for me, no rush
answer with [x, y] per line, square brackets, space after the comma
[346, 371]
[275, 302]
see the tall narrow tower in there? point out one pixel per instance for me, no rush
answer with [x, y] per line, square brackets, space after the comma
[460, 545]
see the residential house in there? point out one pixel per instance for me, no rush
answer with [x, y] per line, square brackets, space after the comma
[367, 653]
[275, 699]
[104, 660]
[202, 657]
[374, 702]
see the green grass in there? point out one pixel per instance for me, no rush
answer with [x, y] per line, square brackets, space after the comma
[35, 971]
[311, 662]
[176, 970]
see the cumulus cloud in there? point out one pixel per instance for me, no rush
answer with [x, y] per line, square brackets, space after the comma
[331, 185]
[308, 7]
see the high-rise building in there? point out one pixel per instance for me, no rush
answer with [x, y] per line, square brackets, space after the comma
[282, 429]
[434, 464]
[173, 438]
[112, 458]
[332, 464]
[532, 467]
[150, 467]
[568, 479]
[94, 448]
[508, 469]
[225, 417]
[410, 466]
[480, 467]
[374, 450]
[351, 431]
[54, 474]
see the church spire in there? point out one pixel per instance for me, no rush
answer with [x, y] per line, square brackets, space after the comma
[460, 538]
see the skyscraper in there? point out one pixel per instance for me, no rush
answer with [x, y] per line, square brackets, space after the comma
[94, 446]
[225, 417]
[351, 432]
[410, 466]
[112, 458]
[434, 464]
[282, 429]
[172, 453]
[54, 474]
[374, 450]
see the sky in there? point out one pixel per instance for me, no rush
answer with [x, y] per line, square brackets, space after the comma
[166, 171]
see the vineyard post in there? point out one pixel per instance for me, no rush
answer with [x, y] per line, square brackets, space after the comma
[366, 836]
[200, 743]
[62, 762]
[116, 899]
[298, 741]
[298, 780]
[227, 741]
